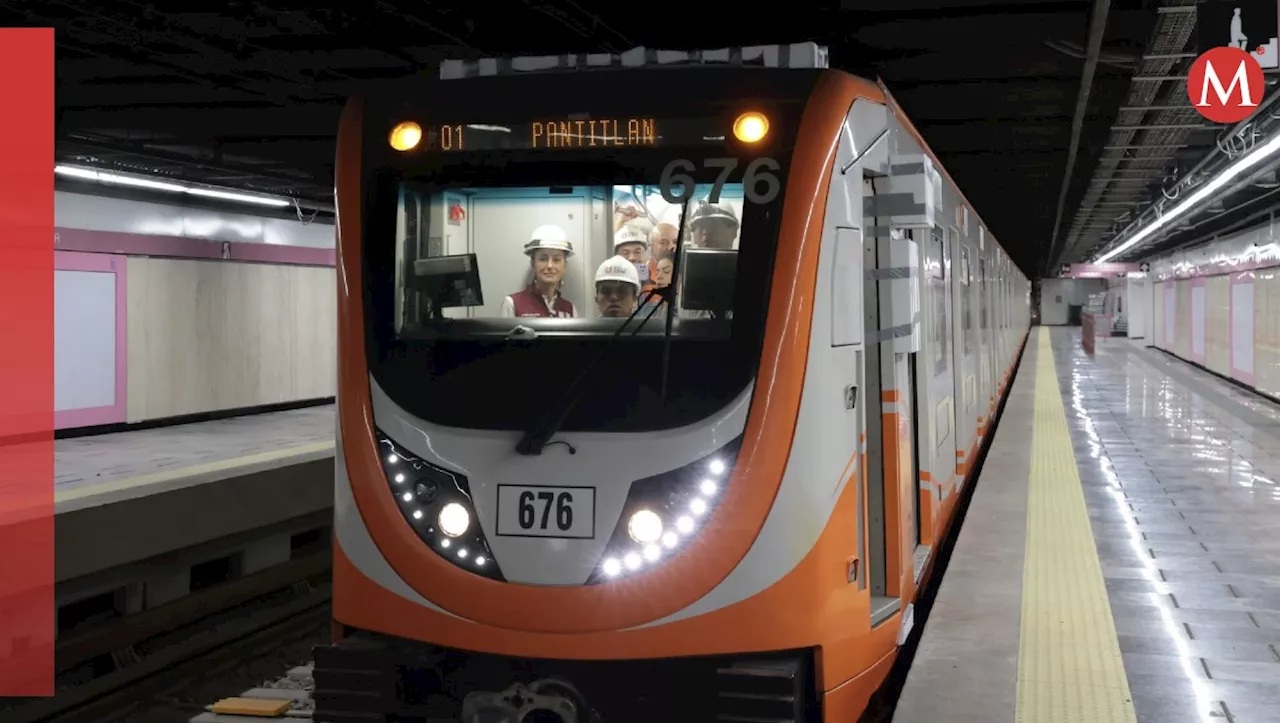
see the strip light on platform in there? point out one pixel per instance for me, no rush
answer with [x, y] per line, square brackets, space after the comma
[90, 174]
[1227, 175]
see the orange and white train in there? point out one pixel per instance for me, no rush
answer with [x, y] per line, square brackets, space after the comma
[721, 508]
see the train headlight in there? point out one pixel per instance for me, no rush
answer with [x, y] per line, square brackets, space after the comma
[645, 526]
[436, 503]
[751, 127]
[405, 136]
[664, 512]
[454, 520]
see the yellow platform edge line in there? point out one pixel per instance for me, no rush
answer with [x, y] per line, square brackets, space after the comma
[222, 465]
[1069, 665]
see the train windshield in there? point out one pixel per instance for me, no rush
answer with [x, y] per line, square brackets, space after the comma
[559, 260]
[504, 252]
[492, 288]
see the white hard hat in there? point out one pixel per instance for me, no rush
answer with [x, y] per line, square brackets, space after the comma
[549, 236]
[642, 224]
[707, 210]
[619, 269]
[630, 235]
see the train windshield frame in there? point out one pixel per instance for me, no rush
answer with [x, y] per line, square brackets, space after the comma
[468, 370]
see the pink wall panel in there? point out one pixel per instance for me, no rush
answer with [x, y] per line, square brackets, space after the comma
[113, 264]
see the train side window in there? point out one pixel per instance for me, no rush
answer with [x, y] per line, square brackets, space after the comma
[982, 291]
[966, 304]
[938, 291]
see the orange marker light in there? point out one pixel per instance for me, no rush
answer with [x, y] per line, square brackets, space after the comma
[751, 127]
[406, 136]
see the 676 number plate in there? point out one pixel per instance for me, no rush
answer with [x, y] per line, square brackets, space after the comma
[540, 511]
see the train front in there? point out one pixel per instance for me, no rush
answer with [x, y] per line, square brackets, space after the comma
[564, 398]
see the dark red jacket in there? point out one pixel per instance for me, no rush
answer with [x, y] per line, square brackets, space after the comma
[530, 303]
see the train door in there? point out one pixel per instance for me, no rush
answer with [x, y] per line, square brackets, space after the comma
[883, 605]
[986, 345]
[911, 404]
[912, 407]
[847, 333]
[959, 342]
[883, 421]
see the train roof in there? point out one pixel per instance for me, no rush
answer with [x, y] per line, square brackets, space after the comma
[794, 55]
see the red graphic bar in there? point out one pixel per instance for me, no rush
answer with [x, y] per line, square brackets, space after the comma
[26, 362]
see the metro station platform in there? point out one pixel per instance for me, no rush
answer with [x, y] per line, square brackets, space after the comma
[180, 486]
[92, 468]
[1120, 558]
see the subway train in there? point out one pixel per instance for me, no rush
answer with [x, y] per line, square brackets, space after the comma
[660, 376]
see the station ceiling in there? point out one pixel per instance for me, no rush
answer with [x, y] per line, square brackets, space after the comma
[247, 93]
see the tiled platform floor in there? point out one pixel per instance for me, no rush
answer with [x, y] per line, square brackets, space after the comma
[1180, 473]
[109, 457]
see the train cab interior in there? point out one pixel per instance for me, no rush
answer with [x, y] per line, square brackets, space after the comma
[499, 225]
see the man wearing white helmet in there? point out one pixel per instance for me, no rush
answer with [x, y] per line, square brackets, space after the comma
[617, 288]
[713, 226]
[630, 243]
[548, 250]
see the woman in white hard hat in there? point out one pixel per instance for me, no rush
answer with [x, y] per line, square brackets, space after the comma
[617, 288]
[548, 250]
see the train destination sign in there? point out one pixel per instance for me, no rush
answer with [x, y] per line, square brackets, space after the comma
[604, 132]
[548, 134]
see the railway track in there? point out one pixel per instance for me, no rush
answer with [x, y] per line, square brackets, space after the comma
[117, 671]
[287, 697]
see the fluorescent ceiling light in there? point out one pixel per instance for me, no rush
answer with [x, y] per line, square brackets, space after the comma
[117, 179]
[242, 198]
[76, 172]
[1227, 175]
[90, 174]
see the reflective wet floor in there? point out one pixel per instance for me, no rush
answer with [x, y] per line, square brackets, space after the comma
[1179, 470]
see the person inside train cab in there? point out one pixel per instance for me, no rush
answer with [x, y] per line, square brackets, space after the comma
[662, 242]
[548, 250]
[617, 288]
[664, 266]
[713, 226]
[630, 243]
[624, 214]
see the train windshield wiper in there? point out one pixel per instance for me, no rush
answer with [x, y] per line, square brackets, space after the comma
[537, 437]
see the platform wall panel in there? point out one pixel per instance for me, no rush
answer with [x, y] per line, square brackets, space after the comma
[1217, 324]
[1242, 326]
[1196, 314]
[1266, 331]
[89, 339]
[1158, 315]
[1182, 315]
[214, 335]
